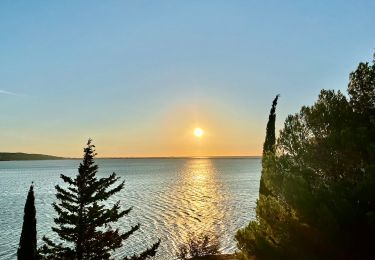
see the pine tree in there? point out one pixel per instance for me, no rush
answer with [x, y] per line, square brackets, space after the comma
[320, 202]
[270, 140]
[27, 247]
[84, 222]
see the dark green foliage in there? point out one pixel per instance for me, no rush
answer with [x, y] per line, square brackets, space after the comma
[84, 221]
[361, 88]
[27, 247]
[321, 179]
[198, 246]
[270, 140]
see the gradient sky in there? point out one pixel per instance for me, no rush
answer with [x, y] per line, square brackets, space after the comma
[138, 76]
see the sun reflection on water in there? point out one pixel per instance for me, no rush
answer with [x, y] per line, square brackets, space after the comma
[197, 199]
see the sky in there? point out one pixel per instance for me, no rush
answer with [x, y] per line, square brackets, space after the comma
[139, 76]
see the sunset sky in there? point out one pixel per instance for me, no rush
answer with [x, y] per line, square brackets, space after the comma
[139, 76]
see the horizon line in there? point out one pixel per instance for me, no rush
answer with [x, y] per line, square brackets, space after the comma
[179, 157]
[142, 157]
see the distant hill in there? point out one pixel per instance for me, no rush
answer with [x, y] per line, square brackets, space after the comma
[26, 156]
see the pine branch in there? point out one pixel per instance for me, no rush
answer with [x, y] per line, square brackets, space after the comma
[150, 252]
[126, 235]
[65, 195]
[67, 179]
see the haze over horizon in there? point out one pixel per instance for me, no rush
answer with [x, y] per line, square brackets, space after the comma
[139, 77]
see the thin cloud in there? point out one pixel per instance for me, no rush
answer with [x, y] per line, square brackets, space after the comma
[4, 92]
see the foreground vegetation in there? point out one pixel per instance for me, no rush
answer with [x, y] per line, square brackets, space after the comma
[317, 193]
[83, 222]
[199, 246]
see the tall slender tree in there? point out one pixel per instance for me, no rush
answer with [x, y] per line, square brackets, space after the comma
[27, 249]
[270, 140]
[84, 221]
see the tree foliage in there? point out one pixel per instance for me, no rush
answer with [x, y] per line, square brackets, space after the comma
[198, 246]
[270, 141]
[361, 88]
[27, 249]
[321, 181]
[84, 220]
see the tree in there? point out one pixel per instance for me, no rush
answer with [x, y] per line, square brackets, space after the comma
[361, 88]
[321, 181]
[27, 249]
[198, 246]
[84, 221]
[269, 142]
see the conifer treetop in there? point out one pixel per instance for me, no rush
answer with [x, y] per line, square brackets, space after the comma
[84, 221]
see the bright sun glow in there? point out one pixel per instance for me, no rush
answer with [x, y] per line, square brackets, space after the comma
[198, 132]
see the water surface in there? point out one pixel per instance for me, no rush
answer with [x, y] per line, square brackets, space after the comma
[171, 198]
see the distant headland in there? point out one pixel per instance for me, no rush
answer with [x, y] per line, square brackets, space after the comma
[27, 156]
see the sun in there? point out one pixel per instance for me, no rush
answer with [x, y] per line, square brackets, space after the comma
[198, 132]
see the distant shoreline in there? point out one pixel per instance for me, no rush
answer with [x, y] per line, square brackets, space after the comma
[27, 157]
[4, 156]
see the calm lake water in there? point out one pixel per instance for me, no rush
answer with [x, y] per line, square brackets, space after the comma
[171, 198]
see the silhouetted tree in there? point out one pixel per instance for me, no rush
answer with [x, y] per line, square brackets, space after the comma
[269, 142]
[84, 222]
[198, 246]
[361, 88]
[27, 249]
[321, 181]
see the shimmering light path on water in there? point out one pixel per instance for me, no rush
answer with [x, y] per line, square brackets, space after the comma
[171, 198]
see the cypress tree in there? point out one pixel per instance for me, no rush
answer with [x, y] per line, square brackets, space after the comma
[83, 224]
[269, 142]
[27, 247]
